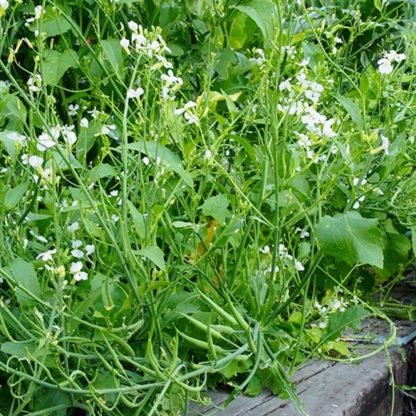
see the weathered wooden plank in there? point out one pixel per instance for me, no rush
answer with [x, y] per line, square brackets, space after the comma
[333, 388]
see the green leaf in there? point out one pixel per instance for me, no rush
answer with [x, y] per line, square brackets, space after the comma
[351, 238]
[138, 220]
[216, 207]
[8, 138]
[264, 13]
[396, 253]
[103, 170]
[17, 349]
[14, 195]
[238, 31]
[413, 229]
[113, 53]
[12, 107]
[342, 320]
[167, 158]
[25, 275]
[52, 22]
[226, 59]
[378, 4]
[353, 110]
[155, 255]
[55, 64]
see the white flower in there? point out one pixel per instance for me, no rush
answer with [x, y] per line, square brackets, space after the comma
[84, 123]
[76, 243]
[115, 217]
[357, 203]
[137, 93]
[302, 233]
[323, 324]
[385, 66]
[4, 4]
[304, 141]
[78, 254]
[125, 43]
[171, 79]
[76, 270]
[89, 249]
[73, 227]
[394, 56]
[47, 255]
[190, 117]
[73, 109]
[165, 63]
[146, 160]
[107, 129]
[133, 26]
[34, 83]
[45, 142]
[76, 267]
[265, 250]
[208, 154]
[299, 266]
[385, 143]
[69, 135]
[276, 269]
[80, 276]
[285, 85]
[38, 12]
[35, 161]
[114, 192]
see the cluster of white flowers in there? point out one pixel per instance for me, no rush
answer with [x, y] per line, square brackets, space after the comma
[35, 82]
[152, 45]
[190, 116]
[135, 93]
[287, 260]
[171, 84]
[385, 64]
[147, 42]
[47, 140]
[78, 253]
[38, 14]
[260, 57]
[300, 97]
[330, 305]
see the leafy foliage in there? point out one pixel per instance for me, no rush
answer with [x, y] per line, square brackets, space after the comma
[195, 192]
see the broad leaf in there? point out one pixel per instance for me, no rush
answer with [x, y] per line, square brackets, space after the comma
[103, 170]
[17, 349]
[11, 141]
[353, 110]
[155, 255]
[113, 53]
[342, 320]
[414, 240]
[14, 195]
[55, 64]
[351, 238]
[216, 207]
[264, 13]
[25, 275]
[53, 23]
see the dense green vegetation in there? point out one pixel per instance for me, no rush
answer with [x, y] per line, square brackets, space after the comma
[195, 192]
